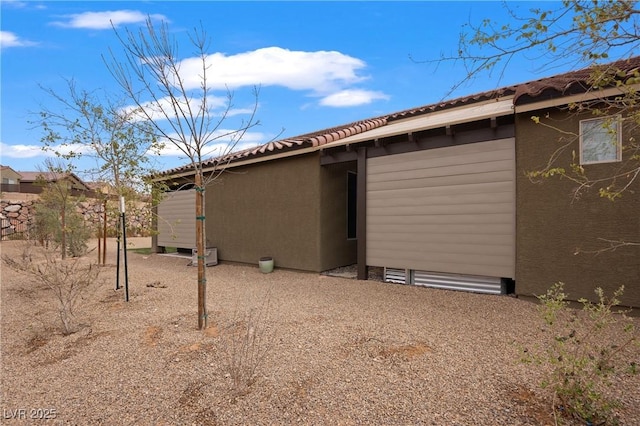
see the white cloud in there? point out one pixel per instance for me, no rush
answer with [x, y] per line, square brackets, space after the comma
[18, 4]
[104, 20]
[219, 146]
[9, 39]
[158, 110]
[239, 111]
[320, 71]
[21, 151]
[15, 4]
[32, 151]
[325, 74]
[352, 97]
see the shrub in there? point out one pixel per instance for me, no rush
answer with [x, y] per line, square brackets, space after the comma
[585, 351]
[246, 343]
[67, 281]
[48, 227]
[78, 235]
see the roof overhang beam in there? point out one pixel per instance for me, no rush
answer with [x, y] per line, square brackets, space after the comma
[449, 117]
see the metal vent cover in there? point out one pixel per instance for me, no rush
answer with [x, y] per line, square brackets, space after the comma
[393, 275]
[471, 283]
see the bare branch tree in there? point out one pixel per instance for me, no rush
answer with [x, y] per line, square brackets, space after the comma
[181, 110]
[86, 125]
[574, 33]
[613, 246]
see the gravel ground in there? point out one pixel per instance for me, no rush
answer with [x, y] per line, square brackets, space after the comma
[331, 350]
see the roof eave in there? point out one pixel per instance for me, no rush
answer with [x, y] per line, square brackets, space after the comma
[549, 102]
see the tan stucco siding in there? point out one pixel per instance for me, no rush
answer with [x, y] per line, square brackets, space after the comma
[444, 210]
[177, 220]
[554, 229]
[267, 209]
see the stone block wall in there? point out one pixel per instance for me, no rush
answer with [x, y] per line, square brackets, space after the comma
[16, 217]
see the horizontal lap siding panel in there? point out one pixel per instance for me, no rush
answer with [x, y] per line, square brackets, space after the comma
[447, 199]
[448, 210]
[447, 170]
[472, 154]
[449, 238]
[481, 268]
[444, 248]
[415, 258]
[443, 190]
[177, 220]
[455, 180]
[469, 221]
[444, 210]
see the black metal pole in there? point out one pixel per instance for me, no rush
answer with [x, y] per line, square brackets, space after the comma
[124, 243]
[118, 261]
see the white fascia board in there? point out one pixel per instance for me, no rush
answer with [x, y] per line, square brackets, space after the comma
[466, 114]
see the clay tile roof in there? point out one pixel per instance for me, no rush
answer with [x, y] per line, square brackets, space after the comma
[569, 83]
[458, 102]
[314, 139]
[555, 86]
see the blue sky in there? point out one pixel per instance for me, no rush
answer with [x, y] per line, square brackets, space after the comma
[319, 64]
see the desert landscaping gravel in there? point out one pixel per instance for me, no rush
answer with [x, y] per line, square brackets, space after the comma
[334, 351]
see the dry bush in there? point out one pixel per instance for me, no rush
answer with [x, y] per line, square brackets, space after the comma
[67, 280]
[585, 352]
[245, 344]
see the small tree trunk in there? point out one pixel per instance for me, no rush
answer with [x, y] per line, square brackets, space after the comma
[104, 233]
[200, 247]
[63, 231]
[99, 243]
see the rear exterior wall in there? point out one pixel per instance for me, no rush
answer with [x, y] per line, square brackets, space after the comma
[291, 209]
[270, 208]
[554, 229]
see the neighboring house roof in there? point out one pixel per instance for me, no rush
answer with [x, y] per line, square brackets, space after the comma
[32, 177]
[8, 168]
[551, 87]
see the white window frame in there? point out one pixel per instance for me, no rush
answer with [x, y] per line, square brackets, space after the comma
[598, 131]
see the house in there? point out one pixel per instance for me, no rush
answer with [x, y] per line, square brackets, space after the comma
[437, 195]
[34, 182]
[10, 179]
[30, 182]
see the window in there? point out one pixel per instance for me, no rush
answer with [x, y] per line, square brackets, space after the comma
[600, 140]
[352, 185]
